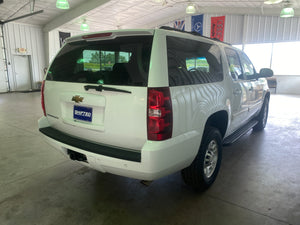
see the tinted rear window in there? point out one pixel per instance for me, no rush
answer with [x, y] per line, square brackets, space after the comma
[193, 62]
[121, 61]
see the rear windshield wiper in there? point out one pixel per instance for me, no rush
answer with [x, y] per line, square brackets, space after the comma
[101, 88]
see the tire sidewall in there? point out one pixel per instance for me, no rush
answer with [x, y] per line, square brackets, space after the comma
[261, 124]
[265, 108]
[211, 134]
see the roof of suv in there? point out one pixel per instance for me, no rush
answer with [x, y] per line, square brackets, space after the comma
[111, 33]
[103, 34]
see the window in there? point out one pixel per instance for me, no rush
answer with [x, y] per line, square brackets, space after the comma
[281, 57]
[94, 60]
[234, 64]
[248, 68]
[121, 61]
[193, 62]
[199, 63]
[260, 55]
[285, 60]
[238, 46]
[91, 60]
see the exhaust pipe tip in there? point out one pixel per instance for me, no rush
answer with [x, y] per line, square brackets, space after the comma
[77, 156]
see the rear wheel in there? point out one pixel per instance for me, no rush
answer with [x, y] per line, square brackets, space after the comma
[203, 171]
[262, 117]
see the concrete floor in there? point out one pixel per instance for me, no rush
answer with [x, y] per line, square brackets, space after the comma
[259, 180]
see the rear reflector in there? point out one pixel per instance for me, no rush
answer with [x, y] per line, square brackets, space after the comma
[42, 98]
[96, 35]
[160, 118]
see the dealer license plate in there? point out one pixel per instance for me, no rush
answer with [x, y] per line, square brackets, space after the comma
[83, 113]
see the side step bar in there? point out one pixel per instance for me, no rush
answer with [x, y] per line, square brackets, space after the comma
[239, 133]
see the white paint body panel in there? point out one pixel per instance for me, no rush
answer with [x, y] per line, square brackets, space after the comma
[115, 121]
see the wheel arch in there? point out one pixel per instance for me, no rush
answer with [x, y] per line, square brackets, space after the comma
[268, 94]
[218, 120]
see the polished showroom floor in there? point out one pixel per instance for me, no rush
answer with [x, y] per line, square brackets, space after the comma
[258, 183]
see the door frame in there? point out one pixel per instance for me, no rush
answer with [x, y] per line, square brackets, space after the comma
[14, 70]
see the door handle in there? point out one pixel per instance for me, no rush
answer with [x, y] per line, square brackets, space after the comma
[237, 92]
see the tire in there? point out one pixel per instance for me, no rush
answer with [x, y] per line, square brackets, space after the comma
[262, 117]
[203, 171]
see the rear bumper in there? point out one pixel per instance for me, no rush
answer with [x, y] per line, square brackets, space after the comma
[114, 152]
[154, 160]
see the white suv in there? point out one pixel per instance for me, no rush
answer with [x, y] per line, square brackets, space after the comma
[148, 103]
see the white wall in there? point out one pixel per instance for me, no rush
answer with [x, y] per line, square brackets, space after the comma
[25, 36]
[3, 79]
[246, 29]
[288, 84]
[262, 29]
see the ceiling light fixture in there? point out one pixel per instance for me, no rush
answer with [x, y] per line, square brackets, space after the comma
[190, 9]
[287, 11]
[84, 26]
[270, 2]
[62, 4]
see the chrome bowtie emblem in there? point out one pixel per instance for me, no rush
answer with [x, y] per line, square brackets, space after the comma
[77, 98]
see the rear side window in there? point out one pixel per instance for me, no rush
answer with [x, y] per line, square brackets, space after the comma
[193, 62]
[121, 61]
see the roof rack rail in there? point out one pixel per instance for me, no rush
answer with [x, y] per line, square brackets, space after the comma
[193, 33]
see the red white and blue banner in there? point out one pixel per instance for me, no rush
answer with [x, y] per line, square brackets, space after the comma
[197, 24]
[179, 24]
[217, 27]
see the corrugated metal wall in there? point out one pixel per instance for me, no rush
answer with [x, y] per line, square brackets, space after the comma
[246, 29]
[3, 82]
[262, 29]
[29, 37]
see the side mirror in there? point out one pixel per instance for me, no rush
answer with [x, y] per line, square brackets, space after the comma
[265, 72]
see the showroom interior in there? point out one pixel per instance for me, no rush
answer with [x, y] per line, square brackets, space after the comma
[259, 179]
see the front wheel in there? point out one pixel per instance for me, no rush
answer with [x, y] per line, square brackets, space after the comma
[204, 169]
[263, 116]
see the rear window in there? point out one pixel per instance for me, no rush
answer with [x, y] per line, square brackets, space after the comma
[193, 62]
[120, 61]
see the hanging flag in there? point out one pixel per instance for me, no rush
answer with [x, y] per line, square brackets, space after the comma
[179, 24]
[62, 37]
[217, 27]
[197, 24]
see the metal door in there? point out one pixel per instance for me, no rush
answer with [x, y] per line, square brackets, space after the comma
[22, 73]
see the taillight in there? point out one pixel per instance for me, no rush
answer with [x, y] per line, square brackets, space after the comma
[42, 97]
[160, 118]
